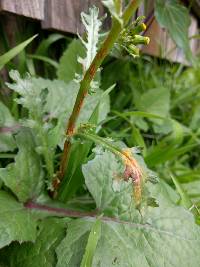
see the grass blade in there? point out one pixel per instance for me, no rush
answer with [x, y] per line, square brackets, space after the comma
[91, 244]
[5, 58]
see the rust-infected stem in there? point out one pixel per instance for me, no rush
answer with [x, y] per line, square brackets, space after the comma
[86, 81]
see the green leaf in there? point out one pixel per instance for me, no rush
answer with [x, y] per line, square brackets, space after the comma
[150, 244]
[25, 176]
[185, 199]
[71, 249]
[155, 101]
[74, 178]
[14, 51]
[69, 65]
[192, 187]
[16, 223]
[7, 142]
[45, 60]
[46, 43]
[41, 253]
[91, 244]
[164, 194]
[99, 178]
[105, 179]
[164, 152]
[27, 91]
[175, 18]
[54, 100]
[158, 241]
[6, 118]
[145, 240]
[114, 7]
[59, 104]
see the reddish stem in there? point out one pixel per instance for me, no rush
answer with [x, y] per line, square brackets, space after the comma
[85, 85]
[62, 212]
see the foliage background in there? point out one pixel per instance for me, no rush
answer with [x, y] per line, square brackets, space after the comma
[155, 106]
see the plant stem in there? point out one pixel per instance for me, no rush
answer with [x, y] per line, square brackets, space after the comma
[63, 212]
[86, 81]
[100, 141]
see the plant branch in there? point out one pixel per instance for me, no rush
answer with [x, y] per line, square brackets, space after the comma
[86, 81]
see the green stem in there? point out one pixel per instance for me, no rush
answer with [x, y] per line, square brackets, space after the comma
[100, 141]
[86, 81]
[104, 143]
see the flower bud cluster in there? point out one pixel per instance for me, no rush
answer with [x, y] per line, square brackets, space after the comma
[130, 37]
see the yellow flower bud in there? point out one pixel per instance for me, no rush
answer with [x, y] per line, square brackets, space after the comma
[138, 39]
[138, 29]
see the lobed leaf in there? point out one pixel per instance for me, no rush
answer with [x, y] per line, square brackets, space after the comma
[92, 25]
[54, 100]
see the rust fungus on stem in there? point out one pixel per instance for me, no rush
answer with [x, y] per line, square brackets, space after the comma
[133, 171]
